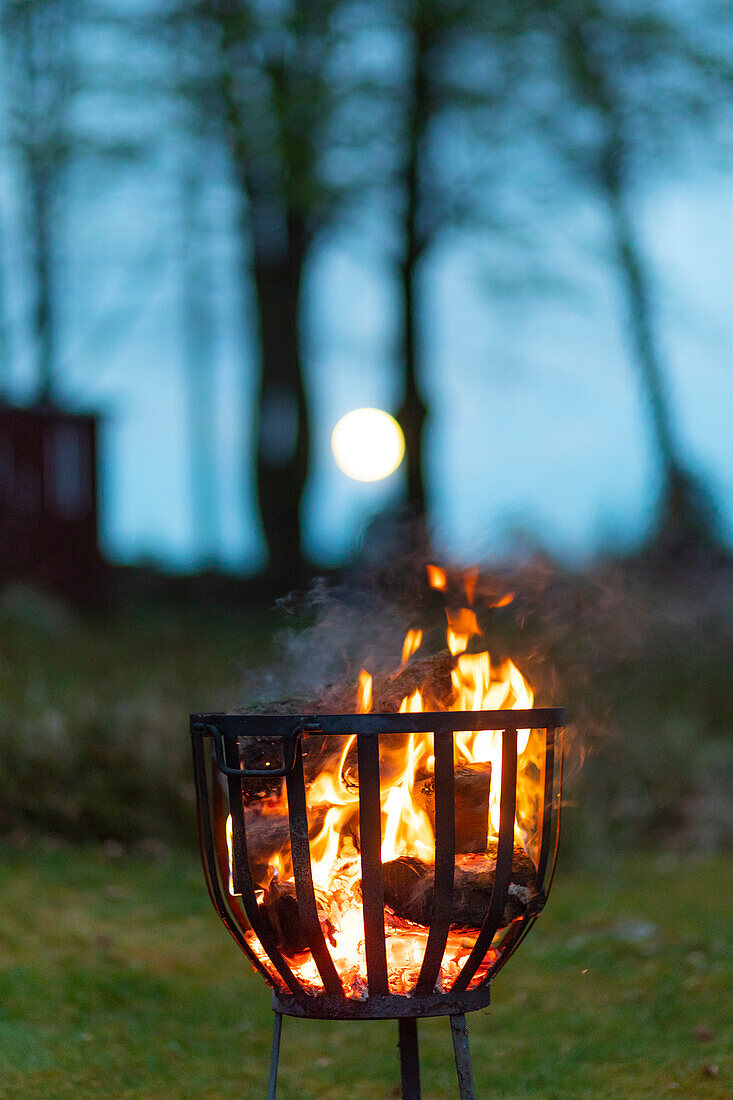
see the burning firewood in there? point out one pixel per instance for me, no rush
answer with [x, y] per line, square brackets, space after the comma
[408, 888]
[267, 834]
[472, 786]
[280, 904]
[430, 673]
[282, 908]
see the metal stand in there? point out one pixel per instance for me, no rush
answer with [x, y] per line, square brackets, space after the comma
[275, 1056]
[462, 1053]
[409, 1057]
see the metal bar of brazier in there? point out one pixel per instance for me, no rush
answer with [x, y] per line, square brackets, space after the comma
[304, 893]
[372, 881]
[445, 847]
[218, 765]
[504, 853]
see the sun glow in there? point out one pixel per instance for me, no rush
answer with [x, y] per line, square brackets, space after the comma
[368, 444]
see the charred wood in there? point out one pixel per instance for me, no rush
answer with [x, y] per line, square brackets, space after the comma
[282, 908]
[280, 903]
[261, 753]
[408, 888]
[267, 835]
[432, 675]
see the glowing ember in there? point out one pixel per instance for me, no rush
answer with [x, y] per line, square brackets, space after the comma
[406, 767]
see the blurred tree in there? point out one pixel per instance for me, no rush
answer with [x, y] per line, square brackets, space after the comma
[261, 88]
[273, 92]
[424, 29]
[456, 115]
[313, 122]
[5, 357]
[639, 86]
[284, 87]
[49, 83]
[40, 82]
[198, 152]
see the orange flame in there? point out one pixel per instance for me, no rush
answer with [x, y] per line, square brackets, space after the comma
[462, 626]
[364, 693]
[412, 642]
[470, 578]
[437, 577]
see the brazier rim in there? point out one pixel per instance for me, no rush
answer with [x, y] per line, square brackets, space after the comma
[242, 724]
[393, 1006]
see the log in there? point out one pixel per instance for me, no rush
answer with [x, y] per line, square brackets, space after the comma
[280, 904]
[472, 787]
[408, 888]
[433, 674]
[267, 834]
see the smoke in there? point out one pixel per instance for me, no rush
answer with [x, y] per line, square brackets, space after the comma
[638, 663]
[331, 633]
[334, 630]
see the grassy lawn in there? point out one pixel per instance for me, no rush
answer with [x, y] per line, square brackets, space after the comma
[117, 980]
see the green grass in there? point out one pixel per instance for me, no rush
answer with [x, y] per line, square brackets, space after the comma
[117, 980]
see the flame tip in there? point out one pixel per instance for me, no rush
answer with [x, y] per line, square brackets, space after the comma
[437, 577]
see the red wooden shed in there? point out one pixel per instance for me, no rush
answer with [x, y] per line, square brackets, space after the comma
[49, 526]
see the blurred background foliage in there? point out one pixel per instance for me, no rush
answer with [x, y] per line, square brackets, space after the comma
[276, 125]
[94, 714]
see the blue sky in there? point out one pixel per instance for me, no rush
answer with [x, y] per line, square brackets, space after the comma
[537, 422]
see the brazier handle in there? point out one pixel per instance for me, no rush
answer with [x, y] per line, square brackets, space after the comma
[289, 740]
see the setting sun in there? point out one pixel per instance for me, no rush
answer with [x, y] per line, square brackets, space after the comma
[368, 444]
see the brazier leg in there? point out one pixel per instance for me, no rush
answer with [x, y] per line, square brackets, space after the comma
[409, 1059]
[462, 1053]
[275, 1056]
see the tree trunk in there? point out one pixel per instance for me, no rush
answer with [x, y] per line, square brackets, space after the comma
[49, 86]
[279, 243]
[5, 352]
[686, 524]
[636, 284]
[44, 320]
[412, 413]
[687, 517]
[198, 356]
[283, 440]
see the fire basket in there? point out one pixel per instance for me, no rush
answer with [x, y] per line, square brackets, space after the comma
[428, 935]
